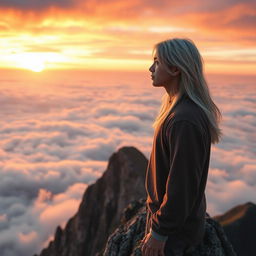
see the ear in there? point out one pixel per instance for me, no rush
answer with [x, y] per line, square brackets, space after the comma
[175, 71]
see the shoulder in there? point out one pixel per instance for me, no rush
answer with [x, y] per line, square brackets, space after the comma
[186, 109]
[186, 114]
[182, 127]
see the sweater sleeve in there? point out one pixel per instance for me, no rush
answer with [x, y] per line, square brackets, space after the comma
[186, 153]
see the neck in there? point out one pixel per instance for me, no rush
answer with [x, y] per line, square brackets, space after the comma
[173, 88]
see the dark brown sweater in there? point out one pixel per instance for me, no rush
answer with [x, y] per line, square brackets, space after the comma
[177, 174]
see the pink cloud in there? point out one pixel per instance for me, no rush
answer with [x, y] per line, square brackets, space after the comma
[27, 238]
[49, 155]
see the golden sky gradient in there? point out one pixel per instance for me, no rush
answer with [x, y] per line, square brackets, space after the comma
[120, 34]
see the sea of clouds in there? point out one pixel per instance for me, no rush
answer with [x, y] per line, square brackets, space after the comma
[57, 137]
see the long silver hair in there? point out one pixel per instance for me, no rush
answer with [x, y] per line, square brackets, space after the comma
[184, 54]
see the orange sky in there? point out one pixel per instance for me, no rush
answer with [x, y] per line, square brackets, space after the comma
[120, 34]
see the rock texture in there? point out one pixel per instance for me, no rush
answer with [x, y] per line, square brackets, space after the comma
[125, 240]
[111, 217]
[102, 205]
[239, 224]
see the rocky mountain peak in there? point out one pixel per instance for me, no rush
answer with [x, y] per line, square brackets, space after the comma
[102, 205]
[112, 214]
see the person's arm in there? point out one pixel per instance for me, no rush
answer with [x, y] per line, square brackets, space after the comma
[187, 153]
[158, 236]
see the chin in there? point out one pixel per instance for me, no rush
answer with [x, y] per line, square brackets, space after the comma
[156, 84]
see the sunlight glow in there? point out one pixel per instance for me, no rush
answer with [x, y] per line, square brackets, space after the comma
[59, 36]
[36, 66]
[31, 61]
[36, 61]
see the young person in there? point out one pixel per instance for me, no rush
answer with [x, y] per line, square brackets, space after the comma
[185, 128]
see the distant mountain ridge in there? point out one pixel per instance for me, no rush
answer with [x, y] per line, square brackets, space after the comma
[106, 204]
[239, 223]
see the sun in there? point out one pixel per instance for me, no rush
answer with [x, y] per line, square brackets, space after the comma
[36, 66]
[32, 61]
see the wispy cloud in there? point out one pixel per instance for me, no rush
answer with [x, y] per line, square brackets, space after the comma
[73, 30]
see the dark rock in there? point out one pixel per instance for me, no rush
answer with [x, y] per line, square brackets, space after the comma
[125, 240]
[112, 216]
[102, 205]
[239, 224]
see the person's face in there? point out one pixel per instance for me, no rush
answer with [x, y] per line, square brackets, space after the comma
[160, 76]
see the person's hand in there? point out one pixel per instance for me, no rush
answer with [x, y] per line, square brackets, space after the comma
[152, 246]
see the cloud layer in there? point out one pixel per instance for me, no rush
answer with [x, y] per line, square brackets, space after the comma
[57, 135]
[35, 5]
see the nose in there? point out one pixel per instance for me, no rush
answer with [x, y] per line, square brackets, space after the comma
[151, 69]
